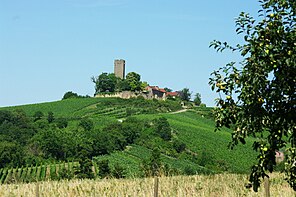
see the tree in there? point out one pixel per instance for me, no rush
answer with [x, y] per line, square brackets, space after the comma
[62, 123]
[105, 82]
[38, 115]
[134, 81]
[155, 162]
[50, 117]
[179, 146]
[84, 170]
[122, 85]
[163, 128]
[185, 94]
[15, 126]
[70, 94]
[257, 98]
[168, 89]
[11, 154]
[144, 84]
[131, 129]
[104, 169]
[152, 165]
[197, 99]
[86, 124]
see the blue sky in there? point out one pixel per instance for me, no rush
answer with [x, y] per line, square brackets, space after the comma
[49, 47]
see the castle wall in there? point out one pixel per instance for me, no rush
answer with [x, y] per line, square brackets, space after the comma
[129, 94]
[124, 95]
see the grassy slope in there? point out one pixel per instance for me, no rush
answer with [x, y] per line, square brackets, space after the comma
[198, 134]
[59, 108]
[192, 128]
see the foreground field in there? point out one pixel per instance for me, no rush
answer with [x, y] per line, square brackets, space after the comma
[212, 185]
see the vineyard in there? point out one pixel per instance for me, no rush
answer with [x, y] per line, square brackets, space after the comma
[214, 158]
[124, 133]
[37, 173]
[85, 107]
[117, 112]
[129, 161]
[132, 158]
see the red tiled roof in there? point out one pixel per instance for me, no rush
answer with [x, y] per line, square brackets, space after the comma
[172, 93]
[162, 90]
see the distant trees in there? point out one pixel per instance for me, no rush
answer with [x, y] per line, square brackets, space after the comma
[179, 146]
[168, 89]
[16, 129]
[50, 117]
[197, 99]
[86, 124]
[62, 123]
[70, 94]
[134, 81]
[163, 128]
[144, 84]
[84, 170]
[41, 137]
[38, 115]
[108, 82]
[152, 165]
[105, 82]
[104, 169]
[11, 154]
[185, 94]
[122, 85]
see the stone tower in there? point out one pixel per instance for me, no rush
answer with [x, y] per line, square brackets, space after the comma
[119, 68]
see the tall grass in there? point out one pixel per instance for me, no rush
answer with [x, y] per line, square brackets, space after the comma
[229, 185]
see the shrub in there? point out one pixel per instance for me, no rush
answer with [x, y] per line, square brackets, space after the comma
[65, 174]
[50, 117]
[84, 170]
[70, 94]
[38, 115]
[188, 170]
[205, 158]
[62, 123]
[202, 105]
[152, 166]
[118, 171]
[104, 169]
[163, 129]
[179, 146]
[86, 124]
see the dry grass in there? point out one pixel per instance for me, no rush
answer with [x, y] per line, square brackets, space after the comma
[214, 185]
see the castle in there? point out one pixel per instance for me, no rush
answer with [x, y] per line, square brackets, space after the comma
[150, 92]
[119, 68]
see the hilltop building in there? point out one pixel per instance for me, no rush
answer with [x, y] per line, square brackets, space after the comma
[119, 68]
[154, 92]
[150, 92]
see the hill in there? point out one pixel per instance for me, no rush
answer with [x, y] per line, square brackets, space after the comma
[124, 134]
[207, 151]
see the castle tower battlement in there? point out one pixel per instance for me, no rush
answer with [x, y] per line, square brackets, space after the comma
[119, 68]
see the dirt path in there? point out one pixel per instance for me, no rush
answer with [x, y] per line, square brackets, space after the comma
[180, 111]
